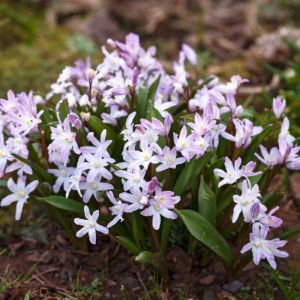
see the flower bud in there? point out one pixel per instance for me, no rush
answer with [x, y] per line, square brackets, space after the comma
[94, 92]
[91, 73]
[85, 116]
[152, 185]
[84, 100]
[74, 120]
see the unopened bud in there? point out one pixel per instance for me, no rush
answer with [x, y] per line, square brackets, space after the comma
[85, 116]
[91, 73]
[255, 209]
[84, 100]
[94, 92]
[152, 185]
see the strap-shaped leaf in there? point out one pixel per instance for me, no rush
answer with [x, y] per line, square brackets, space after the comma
[98, 126]
[289, 233]
[63, 203]
[129, 245]
[207, 202]
[204, 232]
[191, 169]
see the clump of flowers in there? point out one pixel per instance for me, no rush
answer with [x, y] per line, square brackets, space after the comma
[143, 145]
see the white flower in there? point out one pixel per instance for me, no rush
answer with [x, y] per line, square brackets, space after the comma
[62, 175]
[90, 225]
[20, 193]
[134, 178]
[136, 198]
[116, 210]
[245, 201]
[5, 155]
[156, 210]
[168, 159]
[91, 189]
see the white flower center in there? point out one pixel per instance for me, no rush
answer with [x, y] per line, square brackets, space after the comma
[231, 175]
[146, 156]
[96, 164]
[258, 244]
[63, 172]
[2, 154]
[67, 139]
[245, 202]
[170, 160]
[28, 121]
[90, 223]
[136, 178]
[20, 194]
[93, 185]
[157, 206]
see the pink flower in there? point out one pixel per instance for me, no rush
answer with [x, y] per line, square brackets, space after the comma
[64, 140]
[270, 159]
[245, 201]
[189, 54]
[168, 159]
[160, 206]
[263, 248]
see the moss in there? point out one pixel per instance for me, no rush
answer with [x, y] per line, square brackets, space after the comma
[35, 66]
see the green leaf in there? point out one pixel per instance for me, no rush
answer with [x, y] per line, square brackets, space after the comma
[271, 199]
[97, 126]
[3, 183]
[164, 240]
[129, 245]
[137, 228]
[152, 112]
[224, 202]
[141, 103]
[192, 168]
[63, 110]
[153, 87]
[63, 203]
[207, 202]
[204, 232]
[289, 233]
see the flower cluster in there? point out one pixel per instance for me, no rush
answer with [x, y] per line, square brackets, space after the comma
[120, 135]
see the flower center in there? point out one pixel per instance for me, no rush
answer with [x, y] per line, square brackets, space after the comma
[63, 172]
[90, 223]
[2, 154]
[93, 185]
[135, 178]
[157, 206]
[96, 164]
[146, 156]
[20, 194]
[67, 139]
[258, 244]
[231, 175]
[28, 121]
[245, 202]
